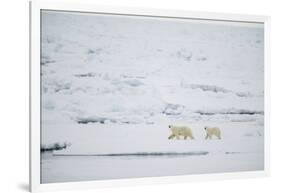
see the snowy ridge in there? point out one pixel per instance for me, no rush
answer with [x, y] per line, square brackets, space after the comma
[140, 154]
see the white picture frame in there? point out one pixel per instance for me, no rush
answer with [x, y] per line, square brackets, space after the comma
[36, 6]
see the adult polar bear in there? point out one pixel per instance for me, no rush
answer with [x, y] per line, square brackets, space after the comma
[178, 131]
[210, 131]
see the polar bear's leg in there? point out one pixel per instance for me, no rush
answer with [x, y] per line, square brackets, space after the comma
[185, 137]
[207, 136]
[219, 135]
[178, 137]
[171, 136]
[191, 137]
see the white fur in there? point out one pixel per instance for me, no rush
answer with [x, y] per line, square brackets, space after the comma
[178, 131]
[213, 131]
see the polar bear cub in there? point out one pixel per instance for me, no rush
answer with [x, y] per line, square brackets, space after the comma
[178, 131]
[210, 131]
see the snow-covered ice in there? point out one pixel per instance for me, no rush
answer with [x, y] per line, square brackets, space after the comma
[112, 84]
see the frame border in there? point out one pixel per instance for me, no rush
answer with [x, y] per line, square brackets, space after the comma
[34, 93]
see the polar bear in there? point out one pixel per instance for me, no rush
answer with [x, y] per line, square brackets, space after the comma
[212, 131]
[178, 131]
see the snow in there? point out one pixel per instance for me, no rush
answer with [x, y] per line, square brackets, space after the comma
[111, 85]
[67, 168]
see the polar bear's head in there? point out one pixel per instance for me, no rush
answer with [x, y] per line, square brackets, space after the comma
[206, 127]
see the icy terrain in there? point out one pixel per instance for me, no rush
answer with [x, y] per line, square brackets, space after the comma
[111, 85]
